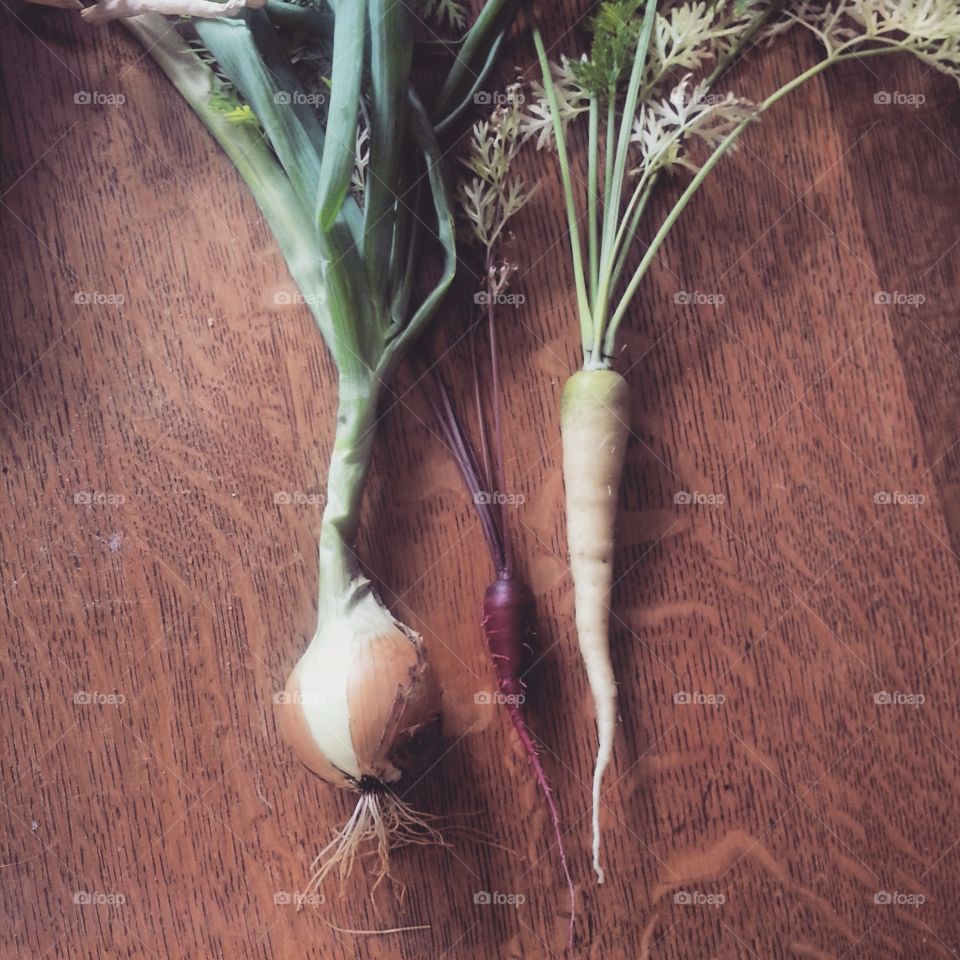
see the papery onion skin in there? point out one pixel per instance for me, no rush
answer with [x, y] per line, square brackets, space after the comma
[365, 708]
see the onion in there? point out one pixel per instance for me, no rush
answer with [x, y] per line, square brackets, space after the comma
[360, 709]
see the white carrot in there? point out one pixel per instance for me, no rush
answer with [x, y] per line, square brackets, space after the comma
[647, 121]
[594, 424]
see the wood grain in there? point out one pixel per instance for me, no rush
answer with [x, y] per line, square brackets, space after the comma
[148, 570]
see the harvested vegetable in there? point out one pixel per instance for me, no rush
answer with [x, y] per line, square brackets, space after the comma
[352, 188]
[489, 198]
[646, 88]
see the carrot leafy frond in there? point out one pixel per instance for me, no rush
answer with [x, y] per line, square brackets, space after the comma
[491, 196]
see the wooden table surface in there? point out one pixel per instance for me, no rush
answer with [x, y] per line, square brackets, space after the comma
[802, 804]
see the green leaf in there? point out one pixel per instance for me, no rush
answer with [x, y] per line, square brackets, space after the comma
[231, 109]
[391, 52]
[250, 55]
[616, 28]
[474, 61]
[341, 135]
[310, 19]
[357, 337]
[446, 234]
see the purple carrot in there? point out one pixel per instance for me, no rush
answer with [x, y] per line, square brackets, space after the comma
[509, 610]
[510, 626]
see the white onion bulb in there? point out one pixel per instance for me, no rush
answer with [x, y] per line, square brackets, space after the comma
[361, 707]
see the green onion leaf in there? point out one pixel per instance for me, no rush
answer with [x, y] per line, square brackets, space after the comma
[250, 55]
[446, 234]
[474, 61]
[339, 151]
[391, 52]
